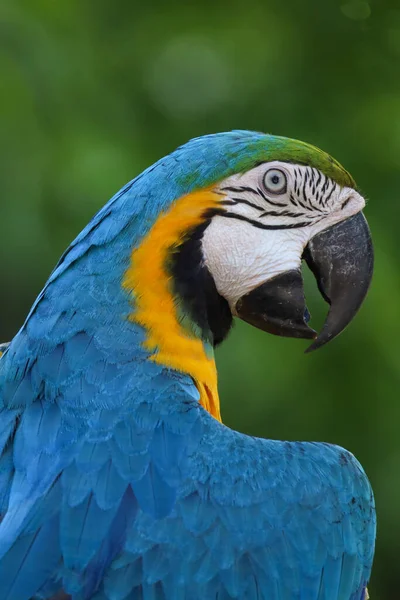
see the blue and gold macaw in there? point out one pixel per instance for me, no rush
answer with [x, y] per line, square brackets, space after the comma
[118, 480]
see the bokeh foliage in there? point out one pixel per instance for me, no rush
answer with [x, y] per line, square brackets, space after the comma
[93, 91]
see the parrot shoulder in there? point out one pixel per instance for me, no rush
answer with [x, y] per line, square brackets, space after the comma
[257, 515]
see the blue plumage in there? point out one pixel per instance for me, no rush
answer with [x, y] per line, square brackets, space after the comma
[115, 484]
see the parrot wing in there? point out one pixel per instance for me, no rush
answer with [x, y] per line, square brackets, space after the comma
[78, 458]
[259, 519]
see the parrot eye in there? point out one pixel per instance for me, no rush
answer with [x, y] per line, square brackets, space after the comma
[275, 181]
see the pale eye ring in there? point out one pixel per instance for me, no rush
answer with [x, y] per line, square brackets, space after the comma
[275, 181]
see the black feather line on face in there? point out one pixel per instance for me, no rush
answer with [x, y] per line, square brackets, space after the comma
[272, 202]
[286, 213]
[234, 201]
[260, 225]
[257, 192]
[328, 197]
[318, 178]
[240, 188]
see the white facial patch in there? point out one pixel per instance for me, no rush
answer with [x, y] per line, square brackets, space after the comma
[241, 257]
[270, 214]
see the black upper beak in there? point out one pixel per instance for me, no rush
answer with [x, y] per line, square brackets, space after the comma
[341, 258]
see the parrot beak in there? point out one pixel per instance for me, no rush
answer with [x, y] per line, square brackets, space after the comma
[341, 258]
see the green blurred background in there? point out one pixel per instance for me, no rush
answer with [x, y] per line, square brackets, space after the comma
[93, 91]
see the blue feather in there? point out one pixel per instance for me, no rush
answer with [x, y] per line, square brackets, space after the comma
[30, 562]
[111, 545]
[154, 495]
[82, 530]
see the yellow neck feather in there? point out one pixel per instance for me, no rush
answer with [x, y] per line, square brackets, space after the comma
[167, 341]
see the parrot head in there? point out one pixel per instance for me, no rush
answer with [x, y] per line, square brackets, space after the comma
[271, 218]
[234, 215]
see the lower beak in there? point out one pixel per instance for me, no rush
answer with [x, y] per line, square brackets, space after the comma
[341, 258]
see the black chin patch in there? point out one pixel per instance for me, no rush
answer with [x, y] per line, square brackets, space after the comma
[278, 306]
[195, 288]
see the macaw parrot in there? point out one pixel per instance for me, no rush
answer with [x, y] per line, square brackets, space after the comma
[118, 480]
